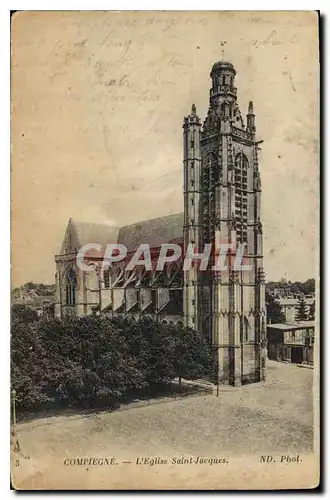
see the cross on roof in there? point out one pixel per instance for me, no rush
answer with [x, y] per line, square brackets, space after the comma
[222, 49]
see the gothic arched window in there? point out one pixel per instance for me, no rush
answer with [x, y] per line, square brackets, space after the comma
[211, 175]
[241, 168]
[246, 329]
[70, 288]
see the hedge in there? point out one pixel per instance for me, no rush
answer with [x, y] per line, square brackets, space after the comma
[93, 360]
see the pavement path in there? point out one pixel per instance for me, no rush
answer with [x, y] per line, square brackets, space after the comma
[271, 417]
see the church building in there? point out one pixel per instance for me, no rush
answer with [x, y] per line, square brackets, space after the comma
[222, 193]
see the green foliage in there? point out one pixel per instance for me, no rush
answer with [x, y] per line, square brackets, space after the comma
[192, 354]
[95, 360]
[27, 352]
[36, 288]
[302, 310]
[274, 310]
[25, 314]
[288, 288]
[312, 311]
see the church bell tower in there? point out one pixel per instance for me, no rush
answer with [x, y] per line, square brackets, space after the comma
[222, 193]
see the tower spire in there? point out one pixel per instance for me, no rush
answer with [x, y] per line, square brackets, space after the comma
[251, 125]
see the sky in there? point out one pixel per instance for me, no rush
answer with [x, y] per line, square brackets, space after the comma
[98, 100]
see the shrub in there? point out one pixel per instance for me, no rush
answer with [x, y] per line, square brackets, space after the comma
[95, 360]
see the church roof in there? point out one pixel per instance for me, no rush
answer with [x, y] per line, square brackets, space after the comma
[286, 301]
[222, 65]
[168, 229]
[88, 232]
[292, 326]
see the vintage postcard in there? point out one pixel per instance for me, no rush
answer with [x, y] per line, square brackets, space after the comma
[164, 218]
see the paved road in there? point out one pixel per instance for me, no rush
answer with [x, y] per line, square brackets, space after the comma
[271, 417]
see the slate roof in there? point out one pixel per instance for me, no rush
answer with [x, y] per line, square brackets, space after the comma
[293, 326]
[222, 65]
[88, 232]
[168, 229]
[294, 302]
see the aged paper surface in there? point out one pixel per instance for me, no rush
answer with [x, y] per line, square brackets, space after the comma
[98, 103]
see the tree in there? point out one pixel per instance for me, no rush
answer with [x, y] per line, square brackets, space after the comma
[27, 357]
[292, 288]
[23, 314]
[302, 314]
[274, 310]
[312, 311]
[192, 354]
[296, 288]
[308, 287]
[95, 359]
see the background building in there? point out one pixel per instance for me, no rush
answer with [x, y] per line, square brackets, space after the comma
[290, 306]
[41, 304]
[292, 343]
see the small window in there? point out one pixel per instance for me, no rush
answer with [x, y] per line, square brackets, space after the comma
[192, 201]
[192, 143]
[192, 164]
[246, 329]
[192, 183]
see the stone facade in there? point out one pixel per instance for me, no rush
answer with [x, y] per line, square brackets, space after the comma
[116, 290]
[222, 192]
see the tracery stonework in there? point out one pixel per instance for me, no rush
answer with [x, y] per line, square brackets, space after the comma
[222, 191]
